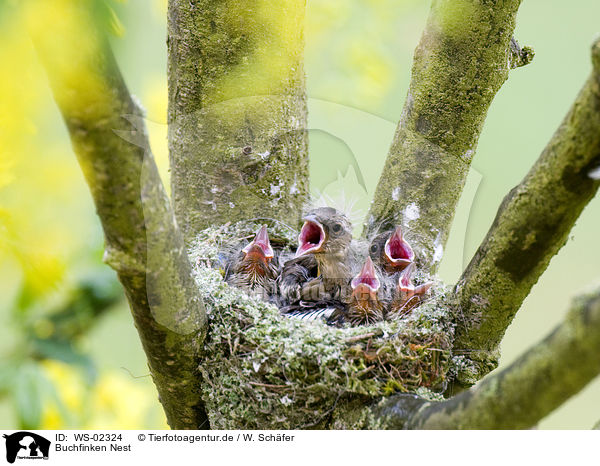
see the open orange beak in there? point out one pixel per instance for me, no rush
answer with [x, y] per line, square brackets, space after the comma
[405, 284]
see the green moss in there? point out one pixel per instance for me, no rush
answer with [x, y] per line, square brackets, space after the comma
[532, 224]
[454, 80]
[265, 371]
[237, 114]
[457, 18]
[533, 386]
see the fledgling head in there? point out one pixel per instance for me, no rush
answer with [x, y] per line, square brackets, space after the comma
[365, 285]
[407, 296]
[254, 268]
[259, 249]
[325, 231]
[365, 305]
[391, 251]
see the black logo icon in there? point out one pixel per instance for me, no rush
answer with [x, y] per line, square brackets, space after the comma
[26, 445]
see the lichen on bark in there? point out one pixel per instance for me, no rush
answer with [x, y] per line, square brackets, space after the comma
[143, 244]
[532, 224]
[237, 111]
[522, 394]
[461, 62]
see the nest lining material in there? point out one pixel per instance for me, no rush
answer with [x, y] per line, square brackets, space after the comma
[262, 370]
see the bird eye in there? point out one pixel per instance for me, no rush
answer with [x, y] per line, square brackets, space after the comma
[337, 227]
[374, 248]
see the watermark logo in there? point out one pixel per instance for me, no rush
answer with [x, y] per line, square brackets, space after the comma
[26, 445]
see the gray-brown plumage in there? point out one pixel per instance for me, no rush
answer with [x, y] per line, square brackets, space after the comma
[295, 273]
[319, 270]
[391, 252]
[255, 268]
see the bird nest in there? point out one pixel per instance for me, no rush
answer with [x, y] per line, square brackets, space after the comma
[262, 370]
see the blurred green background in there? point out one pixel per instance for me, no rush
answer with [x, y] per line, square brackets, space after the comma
[70, 356]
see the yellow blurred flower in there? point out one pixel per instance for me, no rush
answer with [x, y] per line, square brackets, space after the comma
[68, 382]
[17, 96]
[66, 411]
[52, 418]
[115, 401]
[40, 181]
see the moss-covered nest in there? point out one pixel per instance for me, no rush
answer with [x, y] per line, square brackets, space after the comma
[262, 370]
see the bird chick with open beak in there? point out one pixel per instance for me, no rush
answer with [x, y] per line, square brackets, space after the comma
[318, 270]
[391, 251]
[366, 302]
[407, 296]
[255, 268]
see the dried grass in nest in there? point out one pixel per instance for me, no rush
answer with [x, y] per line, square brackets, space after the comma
[262, 370]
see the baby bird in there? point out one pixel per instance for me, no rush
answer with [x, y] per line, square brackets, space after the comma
[318, 270]
[406, 295]
[255, 268]
[365, 305]
[296, 272]
[391, 251]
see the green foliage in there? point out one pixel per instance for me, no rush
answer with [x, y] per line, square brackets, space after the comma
[51, 329]
[27, 391]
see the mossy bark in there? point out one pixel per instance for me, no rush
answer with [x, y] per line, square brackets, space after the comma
[462, 60]
[143, 244]
[532, 224]
[522, 394]
[237, 111]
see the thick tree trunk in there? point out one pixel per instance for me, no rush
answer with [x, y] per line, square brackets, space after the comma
[237, 111]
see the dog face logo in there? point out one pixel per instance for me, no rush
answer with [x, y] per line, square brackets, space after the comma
[26, 445]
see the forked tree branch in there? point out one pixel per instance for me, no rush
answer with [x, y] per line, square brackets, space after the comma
[532, 224]
[521, 395]
[143, 243]
[464, 57]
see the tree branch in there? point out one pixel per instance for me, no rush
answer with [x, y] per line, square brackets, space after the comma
[522, 394]
[532, 224]
[143, 243]
[520, 56]
[237, 111]
[464, 57]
